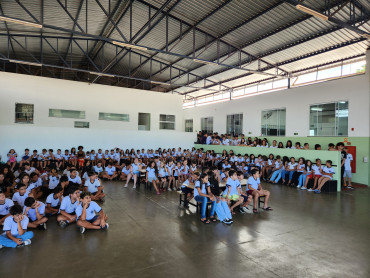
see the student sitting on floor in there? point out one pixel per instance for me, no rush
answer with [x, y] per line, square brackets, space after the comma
[35, 185]
[327, 175]
[255, 189]
[110, 172]
[35, 211]
[90, 215]
[93, 186]
[21, 195]
[5, 205]
[202, 193]
[98, 169]
[233, 191]
[74, 179]
[67, 211]
[15, 229]
[53, 201]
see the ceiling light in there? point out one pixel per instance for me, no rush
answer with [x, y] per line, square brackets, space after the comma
[130, 45]
[26, 63]
[18, 21]
[203, 62]
[312, 12]
[159, 83]
[102, 74]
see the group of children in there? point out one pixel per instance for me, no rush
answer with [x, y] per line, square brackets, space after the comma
[70, 184]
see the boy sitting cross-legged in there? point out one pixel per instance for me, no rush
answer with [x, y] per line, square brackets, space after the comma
[93, 186]
[15, 229]
[35, 211]
[67, 211]
[90, 215]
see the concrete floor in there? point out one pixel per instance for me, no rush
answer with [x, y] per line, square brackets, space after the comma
[307, 235]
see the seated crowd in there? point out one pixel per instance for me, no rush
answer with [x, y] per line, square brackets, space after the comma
[35, 186]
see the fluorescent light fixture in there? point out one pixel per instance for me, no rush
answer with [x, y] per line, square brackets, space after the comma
[159, 83]
[18, 21]
[102, 74]
[366, 36]
[203, 62]
[26, 63]
[130, 45]
[307, 10]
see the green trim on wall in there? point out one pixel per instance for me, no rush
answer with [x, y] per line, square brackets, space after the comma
[362, 145]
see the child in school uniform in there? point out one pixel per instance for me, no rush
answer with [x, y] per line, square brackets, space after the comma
[233, 191]
[5, 205]
[307, 174]
[35, 211]
[53, 201]
[316, 169]
[90, 215]
[151, 176]
[110, 172]
[58, 159]
[347, 170]
[67, 211]
[20, 196]
[93, 186]
[247, 199]
[34, 159]
[74, 179]
[327, 175]
[202, 193]
[15, 229]
[170, 167]
[176, 175]
[162, 176]
[255, 189]
[26, 157]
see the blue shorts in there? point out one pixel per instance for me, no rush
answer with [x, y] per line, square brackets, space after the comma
[92, 220]
[152, 179]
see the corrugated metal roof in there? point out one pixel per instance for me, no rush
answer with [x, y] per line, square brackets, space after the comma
[270, 30]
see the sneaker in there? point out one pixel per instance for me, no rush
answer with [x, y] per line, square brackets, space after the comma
[226, 221]
[1, 246]
[229, 220]
[125, 185]
[299, 186]
[169, 189]
[350, 187]
[247, 210]
[241, 210]
[27, 242]
[134, 187]
[310, 190]
[106, 226]
[63, 224]
[82, 230]
[317, 191]
[44, 226]
[303, 188]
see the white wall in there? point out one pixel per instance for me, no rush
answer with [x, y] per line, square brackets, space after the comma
[47, 132]
[297, 102]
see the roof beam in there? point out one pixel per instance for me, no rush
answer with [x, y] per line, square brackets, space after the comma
[295, 59]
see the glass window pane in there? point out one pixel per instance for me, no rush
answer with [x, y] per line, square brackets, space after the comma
[207, 124]
[82, 124]
[329, 73]
[189, 125]
[273, 122]
[60, 113]
[329, 119]
[113, 117]
[164, 125]
[24, 113]
[144, 121]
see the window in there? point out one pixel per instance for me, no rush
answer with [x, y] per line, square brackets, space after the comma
[206, 124]
[234, 124]
[167, 122]
[73, 114]
[114, 117]
[189, 125]
[144, 121]
[329, 119]
[82, 124]
[273, 122]
[24, 113]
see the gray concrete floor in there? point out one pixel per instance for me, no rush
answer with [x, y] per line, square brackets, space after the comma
[307, 235]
